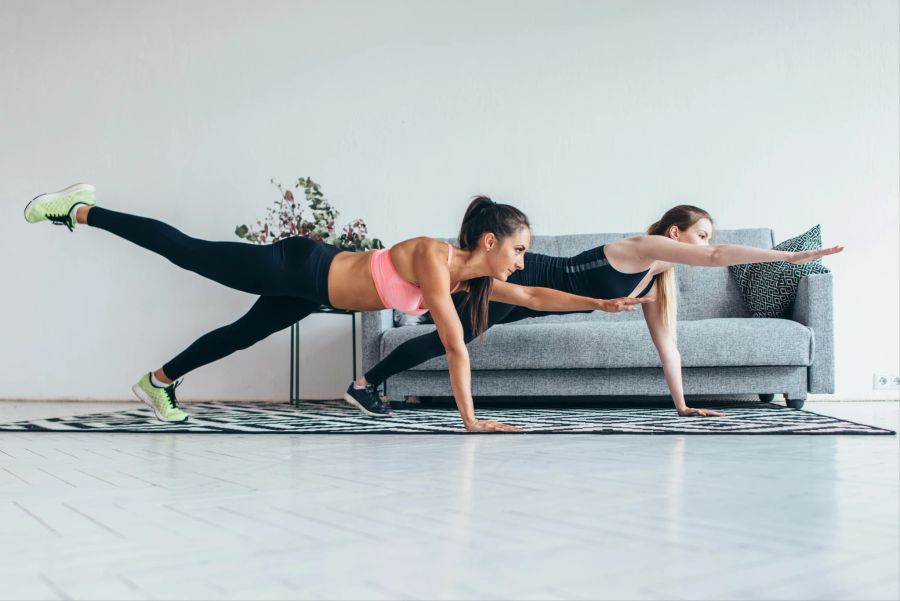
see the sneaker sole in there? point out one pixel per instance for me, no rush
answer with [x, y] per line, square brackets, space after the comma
[359, 406]
[142, 396]
[65, 192]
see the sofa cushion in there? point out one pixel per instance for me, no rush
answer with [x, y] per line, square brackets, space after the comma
[595, 344]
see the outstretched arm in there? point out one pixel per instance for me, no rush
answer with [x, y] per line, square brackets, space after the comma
[671, 360]
[661, 248]
[434, 281]
[550, 299]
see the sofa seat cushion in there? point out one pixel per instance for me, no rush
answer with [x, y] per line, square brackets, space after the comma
[602, 345]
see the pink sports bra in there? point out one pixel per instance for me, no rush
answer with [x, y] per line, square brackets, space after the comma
[395, 291]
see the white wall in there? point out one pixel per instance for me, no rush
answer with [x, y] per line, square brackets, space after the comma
[590, 116]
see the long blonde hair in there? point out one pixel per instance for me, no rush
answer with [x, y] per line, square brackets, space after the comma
[683, 217]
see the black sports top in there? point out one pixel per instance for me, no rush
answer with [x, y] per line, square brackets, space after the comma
[586, 274]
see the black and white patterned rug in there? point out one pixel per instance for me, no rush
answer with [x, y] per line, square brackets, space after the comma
[336, 417]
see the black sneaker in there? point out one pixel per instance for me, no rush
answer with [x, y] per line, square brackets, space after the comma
[367, 400]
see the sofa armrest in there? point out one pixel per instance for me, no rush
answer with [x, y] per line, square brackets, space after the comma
[374, 324]
[813, 308]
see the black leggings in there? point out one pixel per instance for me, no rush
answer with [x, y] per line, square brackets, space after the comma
[291, 276]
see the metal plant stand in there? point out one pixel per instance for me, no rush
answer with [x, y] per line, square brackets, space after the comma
[295, 349]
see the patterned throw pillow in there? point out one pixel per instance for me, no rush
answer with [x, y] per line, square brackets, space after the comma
[769, 289]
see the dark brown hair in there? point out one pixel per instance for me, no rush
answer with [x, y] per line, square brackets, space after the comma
[486, 216]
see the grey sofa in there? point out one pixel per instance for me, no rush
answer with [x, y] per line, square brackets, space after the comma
[724, 351]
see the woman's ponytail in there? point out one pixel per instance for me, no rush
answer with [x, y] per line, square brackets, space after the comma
[483, 216]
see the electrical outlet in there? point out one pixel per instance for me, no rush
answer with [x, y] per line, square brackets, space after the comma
[885, 382]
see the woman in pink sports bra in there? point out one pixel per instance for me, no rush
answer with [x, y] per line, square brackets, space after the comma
[419, 274]
[294, 276]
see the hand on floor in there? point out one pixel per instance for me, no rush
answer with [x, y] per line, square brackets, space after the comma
[484, 425]
[691, 412]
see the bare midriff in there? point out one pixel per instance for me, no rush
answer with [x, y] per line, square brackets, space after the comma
[350, 283]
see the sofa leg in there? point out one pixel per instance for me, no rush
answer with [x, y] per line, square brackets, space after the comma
[767, 397]
[395, 403]
[416, 400]
[795, 401]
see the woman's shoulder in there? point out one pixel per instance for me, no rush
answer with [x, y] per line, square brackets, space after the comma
[420, 248]
[628, 242]
[427, 241]
[641, 244]
[423, 244]
[637, 238]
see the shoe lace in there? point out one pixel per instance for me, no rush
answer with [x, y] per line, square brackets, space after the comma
[170, 393]
[65, 220]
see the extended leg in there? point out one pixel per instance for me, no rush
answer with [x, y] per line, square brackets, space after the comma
[268, 315]
[266, 270]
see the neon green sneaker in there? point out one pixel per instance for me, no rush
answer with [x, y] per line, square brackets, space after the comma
[161, 400]
[56, 206]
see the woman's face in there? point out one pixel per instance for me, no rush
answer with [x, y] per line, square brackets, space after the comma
[698, 233]
[507, 255]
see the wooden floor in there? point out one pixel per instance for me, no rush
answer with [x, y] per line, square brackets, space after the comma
[166, 516]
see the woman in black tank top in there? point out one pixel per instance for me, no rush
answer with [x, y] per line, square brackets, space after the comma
[680, 236]
[589, 272]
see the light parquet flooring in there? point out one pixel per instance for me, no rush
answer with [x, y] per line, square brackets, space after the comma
[163, 516]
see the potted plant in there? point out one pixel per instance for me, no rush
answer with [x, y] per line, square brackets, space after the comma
[286, 219]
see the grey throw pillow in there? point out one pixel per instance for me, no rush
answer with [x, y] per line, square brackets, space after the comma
[770, 289]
